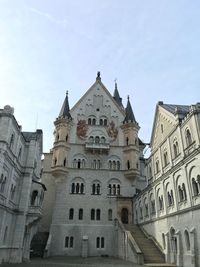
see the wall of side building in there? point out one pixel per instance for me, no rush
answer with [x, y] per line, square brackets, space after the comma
[169, 208]
[21, 192]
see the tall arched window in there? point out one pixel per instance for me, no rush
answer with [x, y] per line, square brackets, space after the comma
[110, 214]
[89, 121]
[93, 121]
[128, 164]
[165, 158]
[80, 214]
[97, 139]
[175, 149]
[64, 162]
[92, 214]
[188, 137]
[12, 140]
[71, 242]
[98, 214]
[157, 166]
[187, 240]
[71, 214]
[127, 141]
[33, 197]
[195, 187]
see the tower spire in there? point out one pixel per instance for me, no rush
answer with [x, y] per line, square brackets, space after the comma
[129, 113]
[65, 111]
[116, 95]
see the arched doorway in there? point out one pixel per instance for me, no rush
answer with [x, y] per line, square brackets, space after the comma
[124, 215]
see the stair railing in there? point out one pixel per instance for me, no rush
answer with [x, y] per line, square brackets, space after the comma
[132, 243]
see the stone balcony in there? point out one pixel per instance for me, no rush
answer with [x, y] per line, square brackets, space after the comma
[132, 174]
[97, 147]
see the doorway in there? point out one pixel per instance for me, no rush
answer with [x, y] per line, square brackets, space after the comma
[124, 215]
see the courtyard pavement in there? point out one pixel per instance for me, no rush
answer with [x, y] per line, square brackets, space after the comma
[74, 262]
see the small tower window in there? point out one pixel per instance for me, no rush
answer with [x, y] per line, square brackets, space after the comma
[93, 121]
[71, 214]
[127, 141]
[89, 121]
[80, 214]
[162, 128]
[64, 162]
[128, 165]
[66, 139]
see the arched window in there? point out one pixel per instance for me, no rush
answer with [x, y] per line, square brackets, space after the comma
[73, 188]
[67, 241]
[71, 214]
[105, 122]
[157, 166]
[165, 158]
[55, 161]
[98, 214]
[127, 141]
[79, 164]
[66, 138]
[80, 214]
[180, 193]
[118, 165]
[109, 189]
[97, 139]
[92, 214]
[175, 149]
[110, 215]
[128, 164]
[188, 137]
[57, 137]
[98, 242]
[150, 172]
[93, 121]
[118, 189]
[33, 197]
[162, 128]
[91, 139]
[184, 191]
[98, 188]
[187, 240]
[64, 162]
[101, 122]
[195, 187]
[89, 121]
[103, 140]
[82, 188]
[102, 242]
[71, 242]
[12, 141]
[77, 188]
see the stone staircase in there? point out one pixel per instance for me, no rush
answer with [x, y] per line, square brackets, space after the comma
[152, 255]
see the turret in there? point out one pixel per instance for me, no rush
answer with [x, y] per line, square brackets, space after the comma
[117, 97]
[130, 128]
[61, 144]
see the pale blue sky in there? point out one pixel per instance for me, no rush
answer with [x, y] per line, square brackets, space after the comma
[48, 47]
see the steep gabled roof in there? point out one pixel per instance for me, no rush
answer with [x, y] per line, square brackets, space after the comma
[129, 113]
[98, 81]
[65, 111]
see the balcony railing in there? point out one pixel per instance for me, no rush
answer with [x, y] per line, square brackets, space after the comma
[102, 147]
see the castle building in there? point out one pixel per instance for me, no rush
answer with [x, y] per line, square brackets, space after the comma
[21, 192]
[92, 172]
[104, 198]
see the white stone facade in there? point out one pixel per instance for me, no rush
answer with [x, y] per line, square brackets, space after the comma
[92, 173]
[169, 207]
[21, 192]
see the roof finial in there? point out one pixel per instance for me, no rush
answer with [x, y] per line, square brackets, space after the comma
[115, 80]
[67, 93]
[98, 78]
[128, 97]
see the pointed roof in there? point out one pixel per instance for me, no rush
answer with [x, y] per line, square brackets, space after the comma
[117, 97]
[129, 113]
[184, 109]
[65, 111]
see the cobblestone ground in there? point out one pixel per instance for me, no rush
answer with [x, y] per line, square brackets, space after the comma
[74, 262]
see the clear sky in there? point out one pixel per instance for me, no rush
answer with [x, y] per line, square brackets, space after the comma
[47, 47]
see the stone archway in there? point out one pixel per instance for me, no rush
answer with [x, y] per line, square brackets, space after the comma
[124, 215]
